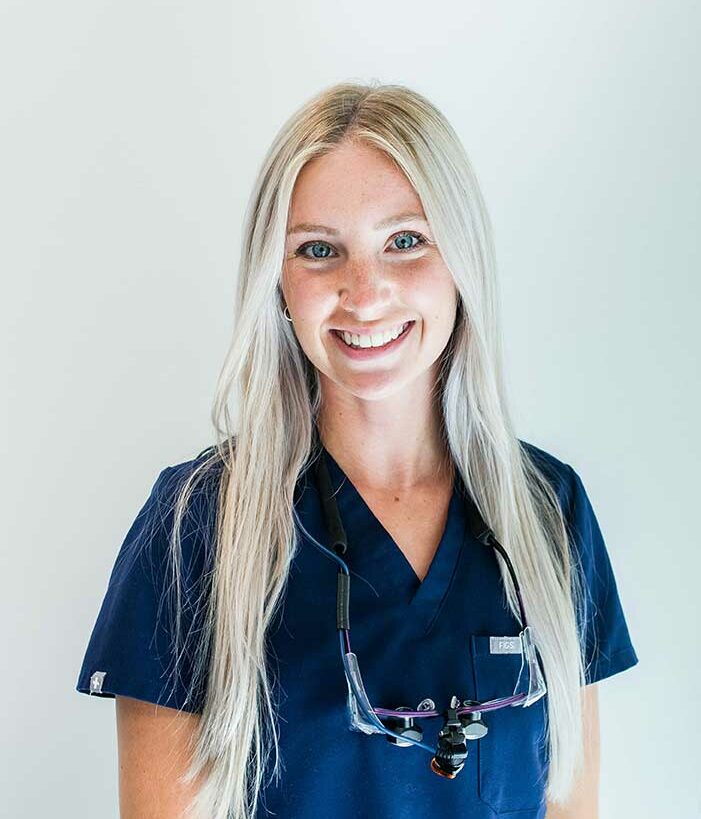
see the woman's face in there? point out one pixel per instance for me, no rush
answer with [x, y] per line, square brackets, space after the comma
[359, 257]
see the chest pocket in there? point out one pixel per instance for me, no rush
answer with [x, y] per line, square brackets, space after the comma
[511, 758]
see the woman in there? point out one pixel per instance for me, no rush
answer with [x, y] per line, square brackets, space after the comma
[366, 368]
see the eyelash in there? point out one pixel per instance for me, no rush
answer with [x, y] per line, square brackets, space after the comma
[422, 241]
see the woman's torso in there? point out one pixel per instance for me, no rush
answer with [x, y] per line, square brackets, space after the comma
[420, 624]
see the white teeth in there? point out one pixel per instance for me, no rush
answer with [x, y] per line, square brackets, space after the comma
[375, 340]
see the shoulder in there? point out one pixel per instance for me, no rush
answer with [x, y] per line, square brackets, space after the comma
[207, 464]
[200, 475]
[578, 513]
[561, 476]
[199, 478]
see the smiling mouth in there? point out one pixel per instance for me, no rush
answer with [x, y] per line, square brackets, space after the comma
[406, 326]
[369, 352]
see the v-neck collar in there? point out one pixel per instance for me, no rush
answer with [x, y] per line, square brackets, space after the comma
[374, 557]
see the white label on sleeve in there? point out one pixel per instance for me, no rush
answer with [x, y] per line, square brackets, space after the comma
[96, 682]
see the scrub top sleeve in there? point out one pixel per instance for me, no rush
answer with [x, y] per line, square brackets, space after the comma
[132, 648]
[607, 642]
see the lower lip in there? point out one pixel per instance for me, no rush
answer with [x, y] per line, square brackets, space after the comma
[363, 353]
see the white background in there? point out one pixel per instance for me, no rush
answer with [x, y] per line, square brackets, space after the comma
[131, 133]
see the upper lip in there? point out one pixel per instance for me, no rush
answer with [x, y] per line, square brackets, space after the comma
[370, 331]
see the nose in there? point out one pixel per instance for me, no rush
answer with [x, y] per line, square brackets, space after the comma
[365, 291]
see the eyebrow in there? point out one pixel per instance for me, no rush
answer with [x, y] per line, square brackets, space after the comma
[308, 227]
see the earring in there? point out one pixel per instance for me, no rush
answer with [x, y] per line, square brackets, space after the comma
[286, 314]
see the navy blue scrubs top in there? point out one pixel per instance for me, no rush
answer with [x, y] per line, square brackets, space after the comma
[413, 640]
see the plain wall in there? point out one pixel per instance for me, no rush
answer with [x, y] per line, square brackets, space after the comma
[131, 133]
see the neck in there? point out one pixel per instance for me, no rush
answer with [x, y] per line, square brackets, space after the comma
[399, 448]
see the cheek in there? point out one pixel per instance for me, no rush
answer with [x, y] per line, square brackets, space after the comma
[434, 296]
[311, 313]
[310, 305]
[305, 295]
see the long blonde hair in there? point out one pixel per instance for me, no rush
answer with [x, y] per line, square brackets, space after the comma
[263, 449]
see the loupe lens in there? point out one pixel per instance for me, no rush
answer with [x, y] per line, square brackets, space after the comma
[530, 677]
[360, 713]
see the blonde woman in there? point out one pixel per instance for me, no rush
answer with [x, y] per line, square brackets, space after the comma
[369, 597]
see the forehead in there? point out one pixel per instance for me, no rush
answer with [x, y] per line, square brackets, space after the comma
[352, 182]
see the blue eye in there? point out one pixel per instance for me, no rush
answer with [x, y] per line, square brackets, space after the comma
[325, 246]
[301, 250]
[410, 235]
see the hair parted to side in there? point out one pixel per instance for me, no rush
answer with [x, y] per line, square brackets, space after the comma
[261, 452]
